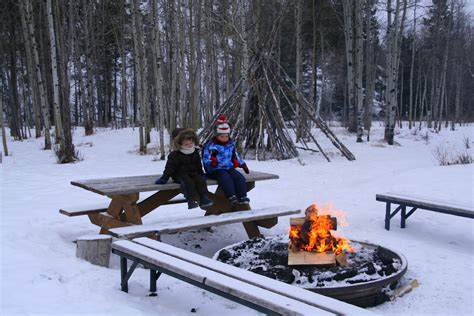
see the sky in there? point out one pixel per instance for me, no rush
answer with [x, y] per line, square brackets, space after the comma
[40, 274]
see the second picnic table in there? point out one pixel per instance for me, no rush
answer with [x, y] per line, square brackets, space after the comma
[125, 209]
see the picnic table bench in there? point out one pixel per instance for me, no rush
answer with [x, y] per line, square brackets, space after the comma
[403, 201]
[125, 209]
[253, 290]
[196, 222]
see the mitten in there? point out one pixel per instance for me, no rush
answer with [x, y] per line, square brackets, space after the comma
[214, 161]
[246, 169]
[161, 181]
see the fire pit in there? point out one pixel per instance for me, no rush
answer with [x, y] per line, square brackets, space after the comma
[359, 273]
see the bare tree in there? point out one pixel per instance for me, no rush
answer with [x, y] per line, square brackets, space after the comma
[2, 125]
[395, 22]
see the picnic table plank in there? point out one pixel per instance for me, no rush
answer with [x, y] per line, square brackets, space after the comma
[196, 222]
[126, 208]
[133, 184]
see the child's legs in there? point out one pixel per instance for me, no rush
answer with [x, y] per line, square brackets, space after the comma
[200, 184]
[187, 186]
[239, 183]
[225, 181]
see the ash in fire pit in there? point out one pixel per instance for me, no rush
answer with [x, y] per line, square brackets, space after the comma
[370, 269]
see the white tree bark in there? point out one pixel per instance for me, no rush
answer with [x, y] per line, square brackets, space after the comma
[359, 59]
[157, 72]
[43, 97]
[55, 69]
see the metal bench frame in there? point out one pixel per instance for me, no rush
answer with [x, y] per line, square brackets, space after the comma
[416, 203]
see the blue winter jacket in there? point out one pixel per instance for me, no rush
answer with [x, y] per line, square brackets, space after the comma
[225, 155]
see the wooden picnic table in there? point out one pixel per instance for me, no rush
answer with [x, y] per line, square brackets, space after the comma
[125, 209]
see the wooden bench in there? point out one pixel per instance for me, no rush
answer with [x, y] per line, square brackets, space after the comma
[255, 291]
[403, 201]
[196, 222]
[125, 209]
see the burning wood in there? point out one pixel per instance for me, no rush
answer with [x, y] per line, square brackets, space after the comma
[311, 241]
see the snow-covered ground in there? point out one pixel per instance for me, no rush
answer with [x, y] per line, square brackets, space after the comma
[40, 274]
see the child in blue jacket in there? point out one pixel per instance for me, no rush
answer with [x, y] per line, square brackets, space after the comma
[220, 160]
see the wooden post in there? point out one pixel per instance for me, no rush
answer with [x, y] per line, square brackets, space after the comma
[95, 249]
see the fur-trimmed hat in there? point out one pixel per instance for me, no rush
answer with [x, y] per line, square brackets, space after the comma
[223, 128]
[182, 135]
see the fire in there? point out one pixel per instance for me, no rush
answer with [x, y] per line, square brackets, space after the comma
[315, 234]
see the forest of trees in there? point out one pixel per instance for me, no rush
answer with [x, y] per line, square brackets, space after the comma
[170, 63]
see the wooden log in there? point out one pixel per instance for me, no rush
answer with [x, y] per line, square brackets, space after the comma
[311, 258]
[399, 292]
[299, 221]
[342, 259]
[95, 249]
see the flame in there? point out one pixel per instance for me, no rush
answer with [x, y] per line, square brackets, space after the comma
[315, 234]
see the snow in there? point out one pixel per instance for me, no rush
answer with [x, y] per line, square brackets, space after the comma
[41, 275]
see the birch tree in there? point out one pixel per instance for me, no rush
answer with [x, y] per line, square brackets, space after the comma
[359, 60]
[66, 151]
[349, 45]
[158, 78]
[2, 125]
[395, 22]
[30, 71]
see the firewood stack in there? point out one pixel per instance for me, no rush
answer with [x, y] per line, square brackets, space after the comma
[311, 242]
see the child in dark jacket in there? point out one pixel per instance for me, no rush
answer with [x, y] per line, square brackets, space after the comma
[220, 159]
[184, 166]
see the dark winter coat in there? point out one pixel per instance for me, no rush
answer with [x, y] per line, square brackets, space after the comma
[178, 163]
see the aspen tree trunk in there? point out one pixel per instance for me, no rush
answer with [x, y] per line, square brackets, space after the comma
[394, 31]
[457, 97]
[430, 105]
[314, 76]
[158, 76]
[89, 99]
[198, 72]
[55, 69]
[423, 101]
[349, 41]
[2, 125]
[15, 116]
[82, 94]
[181, 64]
[444, 70]
[123, 69]
[412, 66]
[173, 51]
[138, 73]
[359, 59]
[43, 97]
[298, 66]
[31, 72]
[193, 92]
[243, 8]
[66, 152]
[370, 68]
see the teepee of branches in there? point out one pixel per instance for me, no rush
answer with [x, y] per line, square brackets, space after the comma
[258, 122]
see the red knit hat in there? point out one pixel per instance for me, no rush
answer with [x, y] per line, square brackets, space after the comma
[223, 128]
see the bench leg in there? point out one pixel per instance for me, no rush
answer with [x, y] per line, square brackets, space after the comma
[403, 216]
[124, 274]
[154, 275]
[387, 215]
